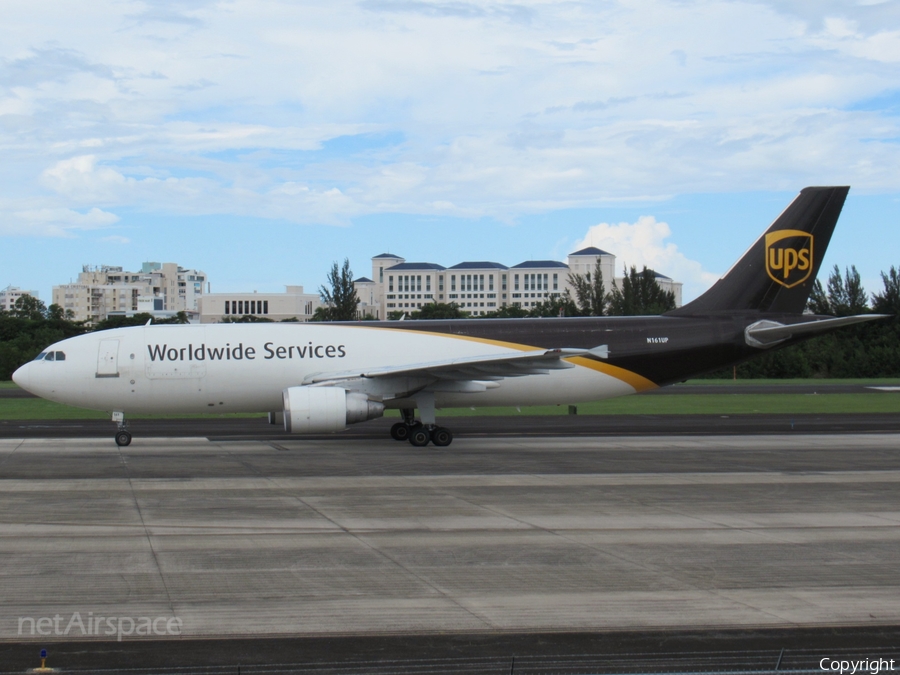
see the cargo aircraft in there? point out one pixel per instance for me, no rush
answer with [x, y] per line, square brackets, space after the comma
[321, 377]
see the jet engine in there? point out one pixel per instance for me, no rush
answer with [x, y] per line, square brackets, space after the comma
[317, 410]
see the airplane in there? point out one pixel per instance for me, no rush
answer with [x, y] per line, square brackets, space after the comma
[322, 377]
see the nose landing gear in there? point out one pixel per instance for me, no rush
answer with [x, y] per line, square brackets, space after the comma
[123, 436]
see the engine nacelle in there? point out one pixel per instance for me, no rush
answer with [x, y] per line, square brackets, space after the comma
[318, 410]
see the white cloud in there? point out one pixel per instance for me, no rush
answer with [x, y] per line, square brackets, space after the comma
[273, 109]
[643, 244]
[55, 222]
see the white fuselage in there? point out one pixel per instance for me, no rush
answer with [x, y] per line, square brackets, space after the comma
[245, 367]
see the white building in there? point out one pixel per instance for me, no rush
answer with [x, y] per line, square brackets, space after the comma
[293, 304]
[160, 289]
[10, 294]
[481, 287]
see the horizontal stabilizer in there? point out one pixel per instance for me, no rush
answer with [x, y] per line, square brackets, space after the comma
[769, 333]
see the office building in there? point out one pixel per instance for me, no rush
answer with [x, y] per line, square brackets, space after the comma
[293, 304]
[482, 287]
[10, 294]
[159, 289]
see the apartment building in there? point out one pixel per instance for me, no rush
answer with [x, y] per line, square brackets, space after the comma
[293, 304]
[10, 294]
[159, 289]
[481, 287]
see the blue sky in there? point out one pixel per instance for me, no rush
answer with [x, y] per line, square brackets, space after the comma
[260, 141]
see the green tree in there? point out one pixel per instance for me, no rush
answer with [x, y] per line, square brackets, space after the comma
[246, 318]
[640, 294]
[818, 300]
[508, 312]
[591, 298]
[28, 307]
[846, 296]
[888, 302]
[29, 329]
[560, 306]
[439, 310]
[339, 296]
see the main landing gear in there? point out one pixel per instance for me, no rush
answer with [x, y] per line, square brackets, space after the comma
[418, 433]
[123, 436]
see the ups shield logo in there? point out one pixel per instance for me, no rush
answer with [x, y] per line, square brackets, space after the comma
[789, 256]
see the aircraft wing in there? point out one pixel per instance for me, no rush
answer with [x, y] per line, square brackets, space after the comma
[478, 368]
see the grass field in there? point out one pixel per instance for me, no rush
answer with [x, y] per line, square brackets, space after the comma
[684, 404]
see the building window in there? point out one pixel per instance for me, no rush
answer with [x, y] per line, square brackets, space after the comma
[265, 306]
[419, 283]
[555, 282]
[452, 282]
[480, 282]
[515, 282]
[441, 284]
[380, 275]
[546, 285]
[227, 306]
[390, 284]
[428, 283]
[490, 282]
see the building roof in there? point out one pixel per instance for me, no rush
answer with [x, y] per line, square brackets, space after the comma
[363, 280]
[590, 250]
[416, 266]
[388, 255]
[482, 265]
[659, 276]
[532, 264]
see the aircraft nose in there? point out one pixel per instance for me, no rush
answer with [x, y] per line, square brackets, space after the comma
[22, 378]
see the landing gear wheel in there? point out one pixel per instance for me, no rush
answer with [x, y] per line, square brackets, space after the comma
[123, 438]
[441, 437]
[419, 436]
[400, 431]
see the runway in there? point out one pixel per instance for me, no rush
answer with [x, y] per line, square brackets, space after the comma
[319, 539]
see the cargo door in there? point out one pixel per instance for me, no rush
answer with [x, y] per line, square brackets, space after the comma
[108, 359]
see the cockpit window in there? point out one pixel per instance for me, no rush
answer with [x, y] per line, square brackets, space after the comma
[51, 356]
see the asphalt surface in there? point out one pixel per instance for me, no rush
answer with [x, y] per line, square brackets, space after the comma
[462, 427]
[502, 553]
[796, 650]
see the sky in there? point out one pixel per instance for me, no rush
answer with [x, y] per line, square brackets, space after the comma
[261, 141]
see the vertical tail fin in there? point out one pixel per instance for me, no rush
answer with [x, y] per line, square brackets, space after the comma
[777, 273]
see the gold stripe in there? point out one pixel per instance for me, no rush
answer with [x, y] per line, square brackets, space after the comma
[639, 382]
